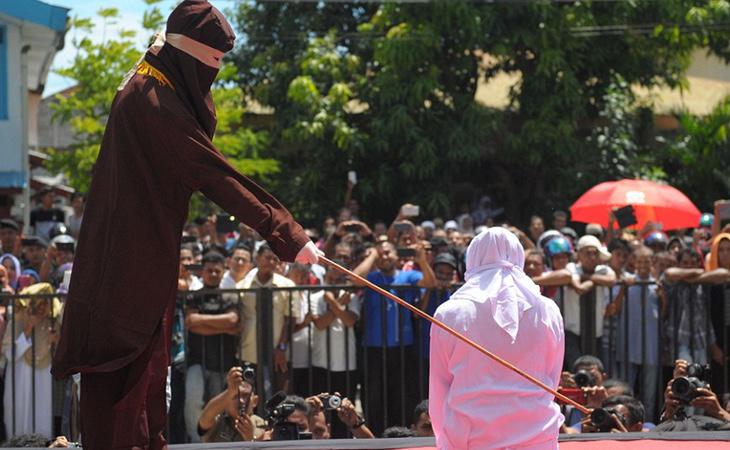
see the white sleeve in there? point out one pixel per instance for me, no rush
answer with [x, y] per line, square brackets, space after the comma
[22, 345]
[440, 378]
[355, 305]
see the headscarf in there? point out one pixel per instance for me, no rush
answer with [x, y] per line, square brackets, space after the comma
[494, 275]
[41, 336]
[202, 22]
[713, 262]
[16, 263]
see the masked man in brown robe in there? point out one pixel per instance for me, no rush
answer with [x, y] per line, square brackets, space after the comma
[156, 152]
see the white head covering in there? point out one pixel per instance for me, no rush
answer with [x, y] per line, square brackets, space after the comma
[494, 274]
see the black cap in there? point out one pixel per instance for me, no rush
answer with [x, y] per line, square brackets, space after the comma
[9, 223]
[445, 258]
[438, 241]
[35, 241]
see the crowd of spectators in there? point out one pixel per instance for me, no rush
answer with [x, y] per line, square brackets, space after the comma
[657, 303]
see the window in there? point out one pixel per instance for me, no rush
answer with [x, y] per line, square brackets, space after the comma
[3, 74]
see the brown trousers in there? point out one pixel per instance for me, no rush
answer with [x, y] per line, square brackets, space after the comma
[126, 409]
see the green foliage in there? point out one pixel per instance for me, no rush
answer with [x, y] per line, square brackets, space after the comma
[389, 90]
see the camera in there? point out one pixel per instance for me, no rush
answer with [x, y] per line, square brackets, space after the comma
[685, 388]
[278, 410]
[331, 402]
[352, 228]
[584, 378]
[405, 252]
[601, 419]
[249, 375]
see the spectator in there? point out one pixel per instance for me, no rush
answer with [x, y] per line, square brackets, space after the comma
[536, 229]
[301, 339]
[74, 220]
[12, 265]
[620, 251]
[385, 320]
[636, 333]
[240, 264]
[34, 253]
[46, 216]
[560, 220]
[346, 413]
[657, 241]
[595, 392]
[398, 432]
[546, 279]
[187, 281]
[299, 417]
[615, 386]
[629, 414]
[285, 307]
[334, 350]
[229, 416]
[688, 334]
[9, 237]
[661, 261]
[588, 276]
[718, 273]
[569, 234]
[27, 348]
[59, 259]
[212, 322]
[422, 421]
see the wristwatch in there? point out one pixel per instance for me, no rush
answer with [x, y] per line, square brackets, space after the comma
[360, 423]
[282, 346]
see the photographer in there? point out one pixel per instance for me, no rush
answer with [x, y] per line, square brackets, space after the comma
[288, 418]
[624, 414]
[228, 417]
[320, 404]
[588, 375]
[689, 403]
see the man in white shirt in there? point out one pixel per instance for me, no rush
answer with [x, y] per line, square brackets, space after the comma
[589, 276]
[475, 402]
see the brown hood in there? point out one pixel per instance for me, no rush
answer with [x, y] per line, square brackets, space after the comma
[201, 21]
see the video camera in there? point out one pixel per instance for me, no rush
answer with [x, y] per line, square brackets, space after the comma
[684, 389]
[602, 421]
[278, 410]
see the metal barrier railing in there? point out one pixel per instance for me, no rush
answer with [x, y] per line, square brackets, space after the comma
[388, 372]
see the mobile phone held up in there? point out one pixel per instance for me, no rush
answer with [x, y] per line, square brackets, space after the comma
[411, 210]
[405, 252]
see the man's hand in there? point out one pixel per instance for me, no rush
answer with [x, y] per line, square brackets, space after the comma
[315, 404]
[595, 395]
[670, 402]
[280, 361]
[680, 368]
[234, 379]
[59, 442]
[708, 401]
[244, 426]
[309, 254]
[347, 414]
[567, 381]
[32, 322]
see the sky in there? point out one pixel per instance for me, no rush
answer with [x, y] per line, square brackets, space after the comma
[130, 12]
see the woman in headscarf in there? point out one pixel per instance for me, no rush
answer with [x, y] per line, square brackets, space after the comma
[717, 273]
[27, 349]
[12, 265]
[475, 402]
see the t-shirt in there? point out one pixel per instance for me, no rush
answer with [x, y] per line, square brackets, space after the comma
[383, 316]
[437, 297]
[280, 300]
[572, 304]
[300, 341]
[342, 356]
[633, 304]
[42, 220]
[216, 351]
[225, 431]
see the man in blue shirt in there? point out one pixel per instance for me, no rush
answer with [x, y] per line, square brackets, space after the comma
[390, 356]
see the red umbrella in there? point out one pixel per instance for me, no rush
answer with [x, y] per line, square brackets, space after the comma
[652, 201]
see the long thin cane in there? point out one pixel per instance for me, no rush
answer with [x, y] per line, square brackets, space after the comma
[456, 334]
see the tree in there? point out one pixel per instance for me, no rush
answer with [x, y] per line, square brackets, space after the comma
[98, 69]
[414, 131]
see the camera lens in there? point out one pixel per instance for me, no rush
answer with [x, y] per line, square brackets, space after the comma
[583, 379]
[249, 375]
[334, 402]
[681, 387]
[600, 418]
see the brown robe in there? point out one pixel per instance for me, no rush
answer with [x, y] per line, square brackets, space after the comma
[156, 152]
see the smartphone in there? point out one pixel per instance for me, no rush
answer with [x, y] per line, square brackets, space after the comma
[405, 252]
[352, 177]
[411, 210]
[723, 210]
[625, 216]
[353, 228]
[575, 394]
[402, 227]
[225, 224]
[193, 267]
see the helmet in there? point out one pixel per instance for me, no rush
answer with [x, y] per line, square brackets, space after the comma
[57, 230]
[706, 220]
[557, 246]
[656, 239]
[547, 237]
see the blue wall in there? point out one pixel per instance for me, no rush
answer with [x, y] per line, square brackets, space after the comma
[3, 73]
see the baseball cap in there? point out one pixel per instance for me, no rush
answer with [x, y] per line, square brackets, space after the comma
[588, 241]
[445, 258]
[9, 223]
[428, 224]
[594, 229]
[451, 225]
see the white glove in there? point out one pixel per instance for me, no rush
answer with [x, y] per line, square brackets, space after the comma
[309, 254]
